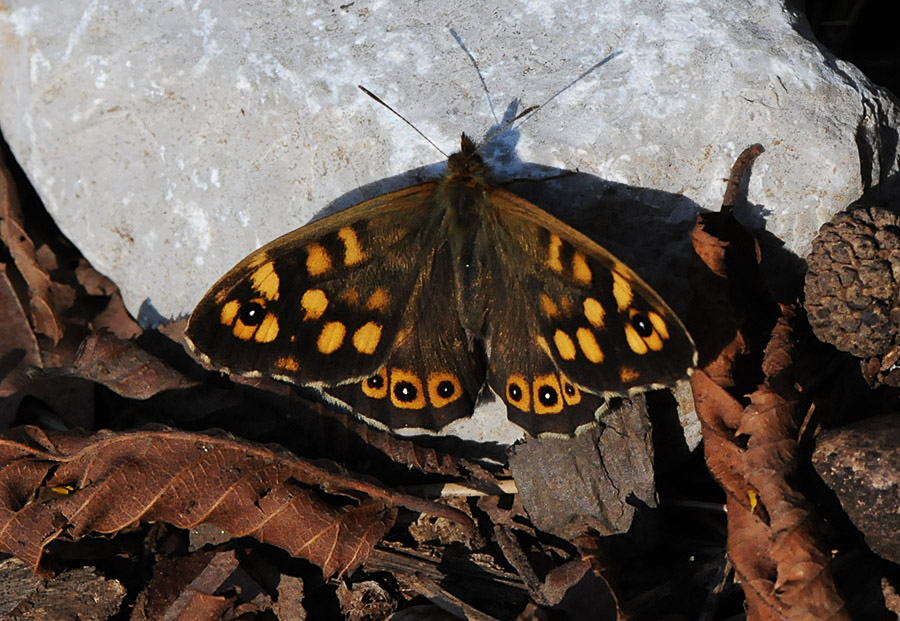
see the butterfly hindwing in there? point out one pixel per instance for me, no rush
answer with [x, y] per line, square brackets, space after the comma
[431, 376]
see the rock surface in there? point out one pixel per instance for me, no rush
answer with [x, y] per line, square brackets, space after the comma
[860, 464]
[169, 139]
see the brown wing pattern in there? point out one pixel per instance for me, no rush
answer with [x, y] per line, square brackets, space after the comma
[340, 304]
[588, 323]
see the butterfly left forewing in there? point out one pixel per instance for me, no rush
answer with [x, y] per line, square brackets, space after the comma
[319, 305]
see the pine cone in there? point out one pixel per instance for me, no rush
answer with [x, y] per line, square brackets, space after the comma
[852, 290]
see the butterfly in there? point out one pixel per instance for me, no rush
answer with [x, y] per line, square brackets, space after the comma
[405, 307]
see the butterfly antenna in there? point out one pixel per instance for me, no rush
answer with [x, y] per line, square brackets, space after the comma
[484, 86]
[401, 117]
[583, 75]
[531, 110]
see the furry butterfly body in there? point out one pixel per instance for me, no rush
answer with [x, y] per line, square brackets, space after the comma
[405, 306]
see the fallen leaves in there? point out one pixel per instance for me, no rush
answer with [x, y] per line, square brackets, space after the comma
[59, 484]
[751, 447]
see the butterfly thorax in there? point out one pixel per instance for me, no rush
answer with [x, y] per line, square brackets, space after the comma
[462, 189]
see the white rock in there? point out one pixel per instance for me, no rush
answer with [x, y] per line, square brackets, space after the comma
[168, 138]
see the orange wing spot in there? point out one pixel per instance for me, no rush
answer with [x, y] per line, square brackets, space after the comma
[353, 252]
[628, 375]
[379, 300]
[265, 281]
[406, 390]
[267, 331]
[314, 302]
[594, 312]
[242, 331]
[659, 324]
[571, 393]
[376, 386]
[367, 337]
[566, 305]
[443, 388]
[580, 269]
[517, 392]
[635, 342]
[547, 395]
[549, 307]
[654, 342]
[220, 295]
[622, 291]
[317, 260]
[288, 363]
[564, 345]
[589, 346]
[229, 312]
[258, 260]
[553, 260]
[331, 337]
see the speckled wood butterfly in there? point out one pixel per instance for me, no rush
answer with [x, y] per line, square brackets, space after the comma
[405, 306]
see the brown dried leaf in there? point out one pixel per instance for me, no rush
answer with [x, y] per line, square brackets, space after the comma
[752, 450]
[66, 485]
[42, 307]
[771, 535]
[113, 317]
[732, 310]
[19, 348]
[125, 368]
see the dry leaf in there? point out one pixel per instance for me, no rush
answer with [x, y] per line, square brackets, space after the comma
[67, 485]
[125, 368]
[752, 450]
[41, 304]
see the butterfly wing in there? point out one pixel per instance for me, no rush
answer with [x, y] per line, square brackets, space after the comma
[334, 305]
[396, 306]
[587, 324]
[434, 371]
